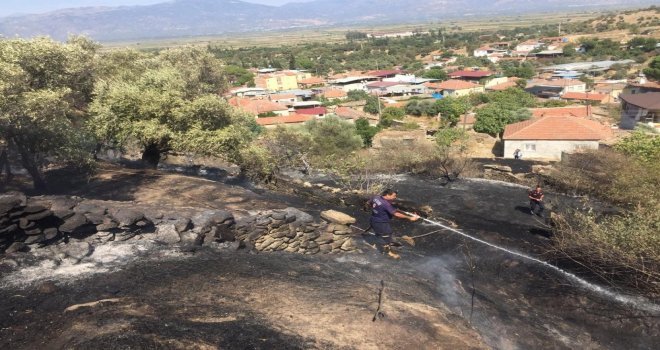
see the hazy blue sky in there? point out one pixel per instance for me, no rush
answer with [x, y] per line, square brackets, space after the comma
[8, 7]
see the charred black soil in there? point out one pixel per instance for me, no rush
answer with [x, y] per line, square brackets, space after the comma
[445, 293]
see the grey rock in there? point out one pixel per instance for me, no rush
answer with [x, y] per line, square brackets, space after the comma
[78, 249]
[502, 168]
[63, 213]
[348, 245]
[63, 203]
[35, 239]
[9, 229]
[33, 209]
[205, 220]
[90, 208]
[17, 247]
[311, 235]
[39, 215]
[74, 223]
[167, 233]
[10, 201]
[300, 215]
[127, 217]
[325, 248]
[279, 216]
[107, 225]
[33, 232]
[51, 233]
[25, 224]
[337, 217]
[325, 237]
[343, 232]
[95, 219]
[182, 225]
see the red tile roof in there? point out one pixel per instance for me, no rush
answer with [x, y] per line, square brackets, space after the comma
[352, 113]
[502, 86]
[312, 111]
[334, 93]
[471, 74]
[555, 82]
[557, 128]
[383, 73]
[256, 106]
[282, 96]
[453, 85]
[287, 119]
[312, 81]
[571, 111]
[382, 84]
[584, 96]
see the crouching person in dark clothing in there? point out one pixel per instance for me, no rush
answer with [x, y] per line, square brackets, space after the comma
[382, 212]
[536, 201]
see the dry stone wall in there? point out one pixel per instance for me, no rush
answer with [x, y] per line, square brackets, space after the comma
[27, 223]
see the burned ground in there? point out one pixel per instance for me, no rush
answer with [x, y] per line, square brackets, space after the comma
[446, 292]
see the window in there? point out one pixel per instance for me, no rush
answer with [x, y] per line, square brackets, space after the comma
[530, 147]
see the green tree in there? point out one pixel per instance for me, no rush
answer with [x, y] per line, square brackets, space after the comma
[366, 131]
[643, 146]
[373, 105]
[167, 108]
[43, 87]
[451, 109]
[435, 73]
[653, 70]
[389, 115]
[238, 76]
[356, 95]
[492, 118]
[332, 136]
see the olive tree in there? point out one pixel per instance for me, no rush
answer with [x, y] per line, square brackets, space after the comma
[44, 87]
[172, 105]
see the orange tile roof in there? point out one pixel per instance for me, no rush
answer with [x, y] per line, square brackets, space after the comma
[555, 82]
[334, 93]
[453, 84]
[256, 106]
[572, 111]
[502, 86]
[584, 96]
[352, 113]
[282, 96]
[312, 81]
[287, 119]
[557, 128]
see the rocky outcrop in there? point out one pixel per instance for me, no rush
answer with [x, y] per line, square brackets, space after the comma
[27, 223]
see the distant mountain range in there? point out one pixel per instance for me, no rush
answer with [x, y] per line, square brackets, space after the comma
[181, 18]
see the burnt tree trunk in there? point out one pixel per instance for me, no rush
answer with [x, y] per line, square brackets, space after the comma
[151, 156]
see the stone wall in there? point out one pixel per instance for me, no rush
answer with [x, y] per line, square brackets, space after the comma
[294, 231]
[27, 223]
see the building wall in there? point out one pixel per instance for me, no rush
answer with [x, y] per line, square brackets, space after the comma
[463, 92]
[349, 87]
[574, 88]
[279, 83]
[630, 115]
[496, 81]
[545, 149]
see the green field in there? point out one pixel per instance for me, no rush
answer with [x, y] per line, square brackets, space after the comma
[337, 34]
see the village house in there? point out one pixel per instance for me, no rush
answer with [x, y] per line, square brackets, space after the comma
[285, 99]
[277, 81]
[571, 111]
[333, 94]
[586, 97]
[549, 136]
[317, 112]
[382, 74]
[259, 107]
[528, 46]
[352, 114]
[455, 88]
[293, 119]
[612, 89]
[471, 75]
[640, 108]
[554, 88]
[352, 83]
[641, 87]
[311, 82]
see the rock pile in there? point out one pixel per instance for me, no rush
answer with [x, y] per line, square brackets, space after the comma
[294, 231]
[39, 221]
